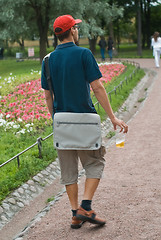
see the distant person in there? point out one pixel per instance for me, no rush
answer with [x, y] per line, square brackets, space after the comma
[102, 43]
[156, 45]
[110, 47]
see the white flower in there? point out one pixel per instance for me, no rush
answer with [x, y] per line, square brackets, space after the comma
[18, 134]
[19, 120]
[22, 131]
[16, 126]
[29, 129]
[8, 115]
[107, 63]
[0, 77]
[0, 86]
[10, 73]
[2, 122]
[9, 81]
[10, 124]
[27, 125]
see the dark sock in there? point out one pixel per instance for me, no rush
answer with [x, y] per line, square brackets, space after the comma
[86, 204]
[74, 212]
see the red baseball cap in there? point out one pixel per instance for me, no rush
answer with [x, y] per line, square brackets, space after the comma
[64, 23]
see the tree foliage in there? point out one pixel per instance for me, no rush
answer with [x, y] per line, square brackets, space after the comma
[156, 19]
[22, 19]
[12, 19]
[41, 13]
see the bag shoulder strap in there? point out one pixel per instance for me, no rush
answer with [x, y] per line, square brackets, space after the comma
[47, 69]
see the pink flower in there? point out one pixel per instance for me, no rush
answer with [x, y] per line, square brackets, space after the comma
[28, 100]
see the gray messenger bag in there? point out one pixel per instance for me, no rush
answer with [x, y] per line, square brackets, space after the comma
[80, 131]
[75, 131]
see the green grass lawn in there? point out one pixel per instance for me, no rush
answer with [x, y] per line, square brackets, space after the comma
[130, 51]
[21, 72]
[18, 68]
[11, 176]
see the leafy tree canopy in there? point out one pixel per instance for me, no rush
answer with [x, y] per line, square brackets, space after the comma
[19, 17]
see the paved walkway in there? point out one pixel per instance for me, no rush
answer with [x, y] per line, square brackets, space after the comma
[129, 195]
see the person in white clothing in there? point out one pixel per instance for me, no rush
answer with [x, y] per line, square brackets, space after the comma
[156, 45]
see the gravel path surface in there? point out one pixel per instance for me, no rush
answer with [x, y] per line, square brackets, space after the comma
[129, 195]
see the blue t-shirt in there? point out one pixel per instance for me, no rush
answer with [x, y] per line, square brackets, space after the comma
[72, 69]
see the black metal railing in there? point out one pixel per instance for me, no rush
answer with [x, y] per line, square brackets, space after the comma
[38, 142]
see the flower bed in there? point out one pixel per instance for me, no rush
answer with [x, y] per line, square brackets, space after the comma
[110, 70]
[26, 106]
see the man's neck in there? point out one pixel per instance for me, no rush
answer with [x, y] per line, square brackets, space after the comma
[67, 40]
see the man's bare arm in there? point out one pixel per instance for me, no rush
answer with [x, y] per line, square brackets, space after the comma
[49, 101]
[102, 97]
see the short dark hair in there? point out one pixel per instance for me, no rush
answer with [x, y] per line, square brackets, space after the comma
[64, 35]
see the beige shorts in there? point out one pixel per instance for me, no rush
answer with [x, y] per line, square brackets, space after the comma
[92, 161]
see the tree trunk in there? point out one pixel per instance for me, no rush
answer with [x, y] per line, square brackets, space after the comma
[111, 32]
[92, 44]
[21, 43]
[42, 42]
[148, 20]
[47, 42]
[143, 22]
[6, 43]
[42, 17]
[139, 45]
[118, 36]
[145, 10]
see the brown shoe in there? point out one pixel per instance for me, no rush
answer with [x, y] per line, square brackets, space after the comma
[76, 223]
[89, 216]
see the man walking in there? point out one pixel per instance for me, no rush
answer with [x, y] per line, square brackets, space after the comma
[102, 43]
[73, 71]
